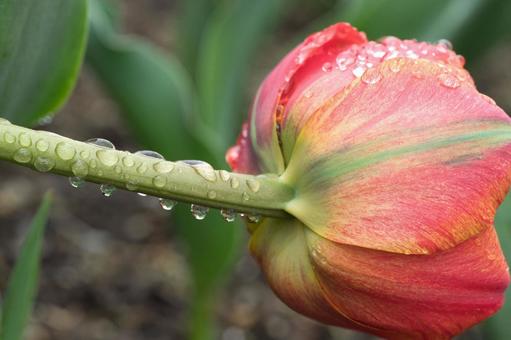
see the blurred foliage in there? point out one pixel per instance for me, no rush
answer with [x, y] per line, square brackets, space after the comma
[41, 49]
[22, 286]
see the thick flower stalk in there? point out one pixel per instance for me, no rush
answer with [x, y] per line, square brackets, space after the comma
[398, 165]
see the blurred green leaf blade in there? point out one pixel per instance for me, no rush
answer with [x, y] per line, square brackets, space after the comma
[233, 36]
[41, 50]
[22, 284]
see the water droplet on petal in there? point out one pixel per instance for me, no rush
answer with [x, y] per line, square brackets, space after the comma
[228, 214]
[141, 194]
[24, 139]
[23, 155]
[445, 43]
[327, 67]
[163, 167]
[85, 154]
[167, 204]
[142, 168]
[131, 186]
[449, 80]
[224, 175]
[199, 212]
[371, 76]
[65, 151]
[80, 168]
[159, 181]
[76, 182]
[358, 71]
[44, 164]
[245, 196]
[107, 189]
[104, 143]
[211, 194]
[253, 185]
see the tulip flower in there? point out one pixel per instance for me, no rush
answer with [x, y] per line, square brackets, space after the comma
[398, 165]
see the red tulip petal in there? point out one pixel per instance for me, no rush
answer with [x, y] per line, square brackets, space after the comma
[280, 247]
[293, 72]
[241, 157]
[414, 162]
[324, 83]
[416, 296]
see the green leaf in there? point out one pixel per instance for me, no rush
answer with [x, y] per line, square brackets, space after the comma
[22, 284]
[152, 89]
[498, 326]
[41, 49]
[233, 36]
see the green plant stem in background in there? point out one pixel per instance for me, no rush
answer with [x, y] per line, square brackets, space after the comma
[187, 181]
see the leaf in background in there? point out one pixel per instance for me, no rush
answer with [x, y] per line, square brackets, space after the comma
[154, 92]
[22, 285]
[232, 38]
[193, 18]
[499, 327]
[41, 49]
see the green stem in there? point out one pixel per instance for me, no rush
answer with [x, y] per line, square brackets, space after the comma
[197, 183]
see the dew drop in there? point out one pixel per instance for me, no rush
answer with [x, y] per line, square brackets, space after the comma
[80, 168]
[159, 181]
[141, 194]
[395, 65]
[128, 161]
[211, 194]
[371, 76]
[163, 167]
[228, 214]
[149, 153]
[235, 183]
[253, 185]
[245, 196]
[44, 164]
[167, 204]
[224, 175]
[118, 169]
[344, 62]
[42, 145]
[107, 189]
[327, 67]
[107, 157]
[445, 43]
[205, 170]
[253, 218]
[199, 212]
[142, 168]
[131, 186]
[104, 143]
[358, 71]
[76, 182]
[24, 139]
[65, 151]
[449, 81]
[9, 138]
[93, 164]
[85, 154]
[22, 155]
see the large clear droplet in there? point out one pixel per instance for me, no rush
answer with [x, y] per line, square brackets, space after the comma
[104, 143]
[229, 215]
[163, 167]
[107, 157]
[107, 189]
[23, 155]
[9, 138]
[80, 168]
[149, 153]
[24, 139]
[199, 212]
[224, 175]
[42, 145]
[205, 170]
[44, 164]
[253, 184]
[65, 151]
[167, 204]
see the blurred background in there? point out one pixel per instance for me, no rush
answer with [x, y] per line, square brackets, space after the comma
[178, 77]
